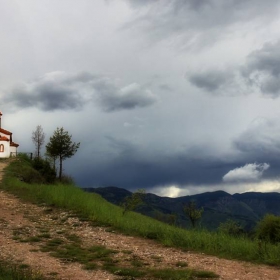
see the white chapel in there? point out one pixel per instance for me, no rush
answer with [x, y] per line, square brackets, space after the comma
[8, 148]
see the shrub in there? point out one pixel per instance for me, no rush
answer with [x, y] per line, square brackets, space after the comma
[192, 212]
[132, 201]
[25, 157]
[23, 170]
[30, 175]
[67, 180]
[44, 168]
[231, 227]
[268, 229]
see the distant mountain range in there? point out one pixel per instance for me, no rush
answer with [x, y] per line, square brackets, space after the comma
[246, 208]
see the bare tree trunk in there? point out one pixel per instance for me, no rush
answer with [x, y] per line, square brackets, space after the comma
[60, 168]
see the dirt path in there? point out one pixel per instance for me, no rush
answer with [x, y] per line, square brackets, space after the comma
[19, 221]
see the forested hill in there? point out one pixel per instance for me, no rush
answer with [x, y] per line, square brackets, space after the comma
[247, 208]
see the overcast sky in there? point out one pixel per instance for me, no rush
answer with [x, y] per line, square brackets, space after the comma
[174, 96]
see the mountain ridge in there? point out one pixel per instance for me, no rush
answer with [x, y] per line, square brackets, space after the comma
[219, 206]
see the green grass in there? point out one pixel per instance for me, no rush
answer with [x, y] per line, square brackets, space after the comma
[95, 209]
[18, 272]
[171, 274]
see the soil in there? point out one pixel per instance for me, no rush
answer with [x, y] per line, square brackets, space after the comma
[19, 220]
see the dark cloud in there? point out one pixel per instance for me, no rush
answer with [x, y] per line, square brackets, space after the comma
[123, 164]
[261, 73]
[212, 81]
[263, 69]
[260, 140]
[191, 21]
[62, 91]
[261, 143]
[128, 97]
[131, 167]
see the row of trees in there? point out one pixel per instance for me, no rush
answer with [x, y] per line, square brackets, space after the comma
[60, 146]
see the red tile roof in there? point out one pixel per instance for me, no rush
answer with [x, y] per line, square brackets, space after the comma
[13, 144]
[4, 138]
[5, 131]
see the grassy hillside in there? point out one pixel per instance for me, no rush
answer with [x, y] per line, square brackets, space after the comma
[94, 208]
[246, 209]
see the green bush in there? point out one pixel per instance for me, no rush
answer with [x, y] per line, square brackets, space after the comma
[23, 170]
[67, 180]
[44, 168]
[231, 227]
[30, 176]
[268, 229]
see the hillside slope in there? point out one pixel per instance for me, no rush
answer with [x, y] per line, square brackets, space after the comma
[247, 208]
[26, 229]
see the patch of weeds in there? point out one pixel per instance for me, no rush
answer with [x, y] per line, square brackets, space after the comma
[10, 271]
[43, 230]
[48, 210]
[74, 252]
[101, 252]
[71, 253]
[33, 239]
[109, 261]
[90, 266]
[157, 258]
[32, 219]
[54, 218]
[127, 252]
[73, 238]
[171, 274]
[16, 238]
[51, 244]
[44, 235]
[181, 264]
[24, 240]
[4, 222]
[60, 231]
[136, 261]
[123, 271]
[63, 220]
[204, 274]
[23, 266]
[34, 250]
[53, 273]
[21, 230]
[76, 225]
[81, 217]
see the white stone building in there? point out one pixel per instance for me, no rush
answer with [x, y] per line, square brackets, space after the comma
[7, 146]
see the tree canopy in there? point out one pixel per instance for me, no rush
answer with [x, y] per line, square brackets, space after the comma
[61, 146]
[193, 212]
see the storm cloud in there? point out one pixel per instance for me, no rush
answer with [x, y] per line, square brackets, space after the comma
[213, 81]
[63, 91]
[169, 95]
[260, 140]
[194, 22]
[259, 74]
[263, 69]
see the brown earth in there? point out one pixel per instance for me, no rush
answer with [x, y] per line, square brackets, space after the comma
[19, 220]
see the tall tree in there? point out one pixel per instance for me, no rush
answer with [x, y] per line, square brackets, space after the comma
[38, 138]
[61, 146]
